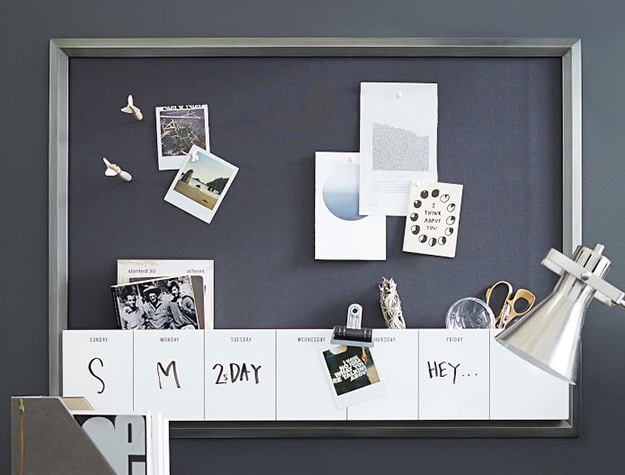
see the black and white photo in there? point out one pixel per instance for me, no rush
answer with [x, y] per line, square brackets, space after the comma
[178, 128]
[158, 304]
[200, 270]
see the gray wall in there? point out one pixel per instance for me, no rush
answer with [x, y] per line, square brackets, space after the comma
[25, 28]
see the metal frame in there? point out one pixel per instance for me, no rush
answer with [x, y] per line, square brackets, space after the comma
[569, 50]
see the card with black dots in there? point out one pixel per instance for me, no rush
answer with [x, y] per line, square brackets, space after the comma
[432, 219]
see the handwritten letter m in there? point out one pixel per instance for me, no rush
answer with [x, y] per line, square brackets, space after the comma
[165, 372]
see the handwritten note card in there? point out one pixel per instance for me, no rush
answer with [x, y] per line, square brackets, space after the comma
[453, 374]
[396, 353]
[432, 219]
[169, 373]
[97, 364]
[240, 375]
[302, 390]
[521, 391]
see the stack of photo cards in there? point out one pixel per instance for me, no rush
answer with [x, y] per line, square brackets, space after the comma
[201, 184]
[202, 280]
[178, 128]
[352, 374]
[341, 233]
[432, 219]
[157, 304]
[132, 444]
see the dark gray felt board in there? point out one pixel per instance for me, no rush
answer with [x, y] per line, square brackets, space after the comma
[499, 134]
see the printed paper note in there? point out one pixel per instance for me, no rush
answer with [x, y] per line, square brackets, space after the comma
[398, 126]
[341, 233]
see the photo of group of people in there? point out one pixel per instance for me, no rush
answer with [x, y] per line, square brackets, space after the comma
[160, 304]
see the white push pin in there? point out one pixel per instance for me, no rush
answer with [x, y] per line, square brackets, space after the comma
[132, 109]
[194, 157]
[114, 170]
[398, 94]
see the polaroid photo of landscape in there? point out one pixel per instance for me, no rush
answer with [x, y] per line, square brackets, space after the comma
[352, 374]
[178, 128]
[201, 184]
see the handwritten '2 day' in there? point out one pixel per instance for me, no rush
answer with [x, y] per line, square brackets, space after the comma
[237, 373]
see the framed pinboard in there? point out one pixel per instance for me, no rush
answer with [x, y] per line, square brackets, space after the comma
[509, 130]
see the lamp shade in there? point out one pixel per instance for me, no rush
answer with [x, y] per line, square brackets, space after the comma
[548, 336]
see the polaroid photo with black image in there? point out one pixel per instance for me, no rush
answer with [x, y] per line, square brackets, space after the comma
[156, 304]
[178, 128]
[352, 374]
[201, 184]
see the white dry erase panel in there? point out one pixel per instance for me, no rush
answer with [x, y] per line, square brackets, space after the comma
[521, 391]
[255, 375]
[240, 376]
[97, 364]
[396, 357]
[303, 392]
[454, 374]
[169, 373]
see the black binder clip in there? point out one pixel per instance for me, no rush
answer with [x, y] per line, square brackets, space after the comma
[351, 334]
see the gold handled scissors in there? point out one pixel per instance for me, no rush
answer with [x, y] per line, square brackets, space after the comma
[509, 309]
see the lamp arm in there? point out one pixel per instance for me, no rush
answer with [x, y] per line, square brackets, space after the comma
[605, 292]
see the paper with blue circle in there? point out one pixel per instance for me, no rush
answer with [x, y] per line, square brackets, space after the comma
[341, 233]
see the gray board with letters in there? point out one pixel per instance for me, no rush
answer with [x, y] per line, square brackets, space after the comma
[500, 134]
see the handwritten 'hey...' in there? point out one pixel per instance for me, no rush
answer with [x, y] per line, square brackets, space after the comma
[445, 369]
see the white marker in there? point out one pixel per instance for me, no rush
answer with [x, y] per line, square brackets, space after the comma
[114, 170]
[132, 109]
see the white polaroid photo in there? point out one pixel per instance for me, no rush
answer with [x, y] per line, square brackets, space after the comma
[178, 128]
[202, 277]
[201, 184]
[352, 374]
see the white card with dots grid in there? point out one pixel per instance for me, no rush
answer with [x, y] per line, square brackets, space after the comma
[432, 219]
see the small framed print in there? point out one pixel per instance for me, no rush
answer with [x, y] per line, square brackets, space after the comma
[201, 184]
[178, 128]
[352, 374]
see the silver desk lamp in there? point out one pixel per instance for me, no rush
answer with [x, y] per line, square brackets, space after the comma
[548, 335]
